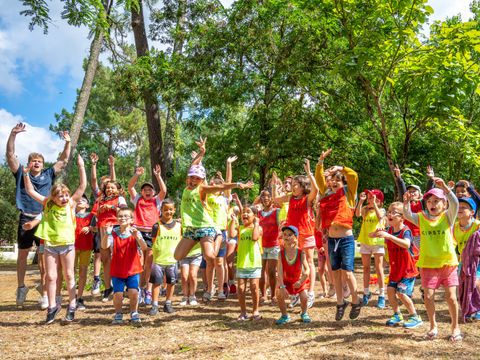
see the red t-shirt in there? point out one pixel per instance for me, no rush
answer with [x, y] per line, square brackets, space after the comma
[125, 256]
[402, 261]
[292, 273]
[269, 224]
[109, 216]
[83, 241]
[301, 215]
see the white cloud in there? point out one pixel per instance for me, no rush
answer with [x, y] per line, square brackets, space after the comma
[444, 9]
[35, 139]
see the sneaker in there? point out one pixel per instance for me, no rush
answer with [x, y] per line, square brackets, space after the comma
[96, 287]
[21, 295]
[310, 301]
[396, 319]
[43, 302]
[207, 296]
[381, 302]
[141, 297]
[413, 322]
[341, 311]
[51, 313]
[221, 296]
[192, 300]
[168, 308]
[106, 294]
[80, 304]
[305, 318]
[294, 301]
[346, 292]
[70, 315]
[233, 289]
[117, 319]
[153, 310]
[283, 320]
[148, 298]
[135, 317]
[476, 317]
[366, 299]
[184, 301]
[226, 290]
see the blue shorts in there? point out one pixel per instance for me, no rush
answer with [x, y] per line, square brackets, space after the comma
[404, 286]
[196, 234]
[342, 252]
[223, 246]
[131, 282]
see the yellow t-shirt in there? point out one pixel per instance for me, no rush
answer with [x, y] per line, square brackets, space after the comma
[370, 223]
[460, 237]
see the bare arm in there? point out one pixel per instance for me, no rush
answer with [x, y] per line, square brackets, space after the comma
[93, 174]
[239, 203]
[29, 187]
[314, 187]
[257, 230]
[319, 176]
[359, 210]
[131, 184]
[276, 197]
[407, 211]
[228, 174]
[63, 159]
[210, 189]
[232, 229]
[201, 151]
[77, 195]
[12, 161]
[404, 243]
[380, 213]
[105, 237]
[111, 166]
[157, 171]
[305, 272]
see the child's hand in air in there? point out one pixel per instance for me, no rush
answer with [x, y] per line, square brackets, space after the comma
[232, 159]
[65, 136]
[94, 158]
[396, 171]
[451, 184]
[247, 185]
[201, 143]
[80, 162]
[139, 171]
[324, 155]
[363, 196]
[157, 170]
[306, 166]
[440, 184]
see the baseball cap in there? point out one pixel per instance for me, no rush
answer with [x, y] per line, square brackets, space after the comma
[437, 192]
[147, 184]
[470, 202]
[377, 193]
[416, 187]
[292, 228]
[197, 170]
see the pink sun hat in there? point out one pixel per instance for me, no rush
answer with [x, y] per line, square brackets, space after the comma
[437, 192]
[197, 170]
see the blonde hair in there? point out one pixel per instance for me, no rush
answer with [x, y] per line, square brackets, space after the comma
[56, 190]
[35, 155]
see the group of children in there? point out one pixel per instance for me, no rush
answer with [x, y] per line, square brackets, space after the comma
[273, 242]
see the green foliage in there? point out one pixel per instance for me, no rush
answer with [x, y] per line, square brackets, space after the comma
[8, 212]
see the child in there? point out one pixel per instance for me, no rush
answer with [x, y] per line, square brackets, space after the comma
[249, 260]
[236, 209]
[270, 222]
[57, 229]
[189, 271]
[166, 235]
[465, 226]
[84, 232]
[373, 218]
[300, 215]
[125, 267]
[403, 270]
[293, 277]
[336, 210]
[437, 261]
[105, 209]
[147, 211]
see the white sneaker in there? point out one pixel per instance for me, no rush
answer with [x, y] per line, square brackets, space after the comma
[310, 301]
[192, 300]
[43, 302]
[221, 296]
[294, 301]
[207, 296]
[21, 295]
[184, 301]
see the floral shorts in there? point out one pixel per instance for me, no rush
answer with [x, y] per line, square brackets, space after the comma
[196, 234]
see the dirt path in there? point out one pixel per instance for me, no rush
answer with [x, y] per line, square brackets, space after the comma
[211, 331]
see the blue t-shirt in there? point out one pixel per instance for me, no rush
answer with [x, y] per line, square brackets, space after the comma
[41, 183]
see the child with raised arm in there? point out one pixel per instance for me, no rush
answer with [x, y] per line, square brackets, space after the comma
[146, 213]
[57, 229]
[166, 234]
[126, 267]
[373, 216]
[403, 270]
[293, 275]
[300, 214]
[437, 261]
[337, 210]
[84, 233]
[249, 260]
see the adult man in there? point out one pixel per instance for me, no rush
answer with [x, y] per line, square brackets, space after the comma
[42, 180]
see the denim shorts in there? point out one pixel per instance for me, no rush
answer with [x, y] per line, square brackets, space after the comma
[159, 271]
[222, 251]
[196, 234]
[59, 250]
[342, 252]
[404, 286]
[271, 253]
[194, 260]
[131, 282]
[253, 273]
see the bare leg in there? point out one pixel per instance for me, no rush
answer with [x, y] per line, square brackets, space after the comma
[241, 295]
[310, 253]
[451, 298]
[184, 270]
[209, 254]
[51, 263]
[281, 301]
[392, 299]
[337, 276]
[272, 276]
[352, 285]
[183, 248]
[380, 274]
[68, 265]
[133, 297]
[263, 283]
[429, 299]
[117, 301]
[304, 301]
[366, 272]
[192, 280]
[22, 266]
[254, 289]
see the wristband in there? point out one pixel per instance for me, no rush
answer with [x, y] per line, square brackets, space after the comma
[282, 287]
[238, 184]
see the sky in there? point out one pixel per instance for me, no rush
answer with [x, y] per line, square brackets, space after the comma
[39, 74]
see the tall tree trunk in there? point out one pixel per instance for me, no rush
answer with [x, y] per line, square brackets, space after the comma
[172, 116]
[149, 98]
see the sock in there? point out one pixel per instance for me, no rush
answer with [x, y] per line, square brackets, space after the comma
[366, 291]
[381, 292]
[155, 303]
[168, 302]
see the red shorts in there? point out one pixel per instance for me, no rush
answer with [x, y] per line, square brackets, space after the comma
[292, 291]
[446, 276]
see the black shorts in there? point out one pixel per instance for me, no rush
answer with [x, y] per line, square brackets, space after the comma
[147, 236]
[26, 238]
[159, 271]
[96, 242]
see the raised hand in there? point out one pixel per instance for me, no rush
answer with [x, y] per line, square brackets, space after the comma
[232, 159]
[407, 197]
[134, 231]
[201, 143]
[139, 171]
[111, 160]
[94, 158]
[324, 154]
[440, 183]
[363, 196]
[451, 184]
[20, 127]
[157, 170]
[80, 161]
[247, 185]
[396, 171]
[306, 166]
[193, 154]
[65, 136]
[108, 229]
[430, 173]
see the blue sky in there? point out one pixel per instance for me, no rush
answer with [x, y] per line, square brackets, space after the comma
[39, 74]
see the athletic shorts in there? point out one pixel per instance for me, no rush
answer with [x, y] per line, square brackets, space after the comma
[233, 240]
[96, 242]
[82, 257]
[194, 260]
[371, 249]
[147, 236]
[342, 252]
[271, 253]
[254, 273]
[26, 238]
[446, 276]
[159, 271]
[196, 234]
[306, 242]
[131, 282]
[222, 251]
[59, 250]
[404, 286]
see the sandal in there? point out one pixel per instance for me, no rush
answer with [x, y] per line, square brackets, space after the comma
[431, 335]
[242, 317]
[256, 317]
[355, 311]
[341, 310]
[456, 338]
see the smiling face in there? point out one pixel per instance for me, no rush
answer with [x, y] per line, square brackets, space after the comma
[266, 199]
[461, 191]
[370, 201]
[147, 192]
[111, 189]
[395, 214]
[465, 212]
[415, 194]
[82, 205]
[435, 205]
[124, 217]
[60, 195]
[168, 211]
[289, 238]
[336, 182]
[287, 184]
[193, 182]
[247, 216]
